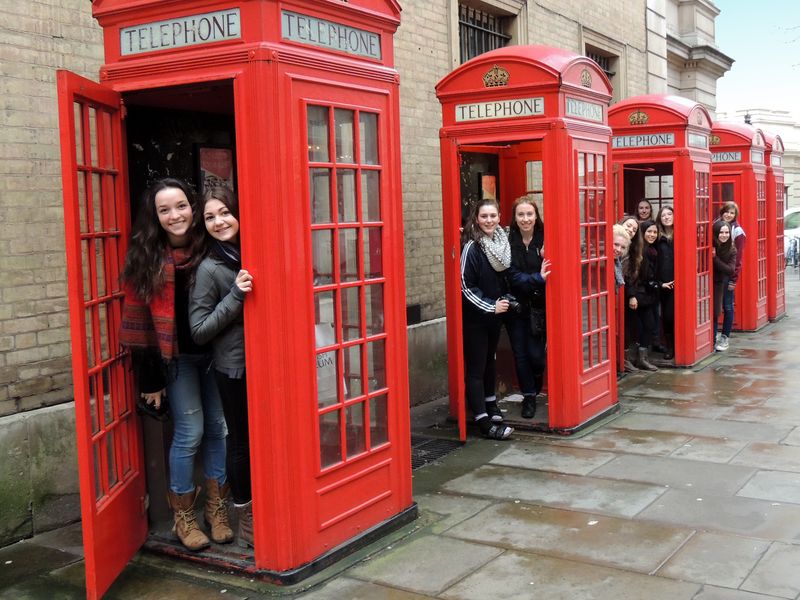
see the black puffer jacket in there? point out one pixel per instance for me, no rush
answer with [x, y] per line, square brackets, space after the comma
[644, 285]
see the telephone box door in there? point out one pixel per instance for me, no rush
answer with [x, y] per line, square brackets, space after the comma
[110, 467]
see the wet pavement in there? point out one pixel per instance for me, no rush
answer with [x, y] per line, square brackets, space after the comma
[690, 492]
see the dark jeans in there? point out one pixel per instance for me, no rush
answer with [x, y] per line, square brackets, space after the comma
[668, 317]
[480, 345]
[529, 354]
[642, 323]
[234, 404]
[727, 310]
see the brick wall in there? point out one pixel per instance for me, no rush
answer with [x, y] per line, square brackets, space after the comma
[36, 38]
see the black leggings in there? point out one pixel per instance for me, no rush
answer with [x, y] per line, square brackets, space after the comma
[480, 345]
[668, 317]
[234, 405]
[643, 322]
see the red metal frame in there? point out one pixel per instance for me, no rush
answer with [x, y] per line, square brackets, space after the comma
[776, 261]
[110, 461]
[301, 511]
[642, 126]
[738, 173]
[567, 85]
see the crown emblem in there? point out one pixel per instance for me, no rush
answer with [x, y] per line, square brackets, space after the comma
[586, 78]
[713, 140]
[497, 76]
[638, 118]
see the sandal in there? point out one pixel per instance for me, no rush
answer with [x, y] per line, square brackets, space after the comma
[499, 432]
[494, 412]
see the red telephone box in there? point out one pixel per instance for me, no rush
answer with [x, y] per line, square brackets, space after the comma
[309, 97]
[537, 117]
[738, 174]
[776, 261]
[660, 152]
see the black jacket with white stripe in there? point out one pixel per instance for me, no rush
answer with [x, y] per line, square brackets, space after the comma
[481, 285]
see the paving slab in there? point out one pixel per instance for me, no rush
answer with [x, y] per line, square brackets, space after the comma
[778, 573]
[560, 459]
[514, 575]
[26, 558]
[677, 473]
[709, 449]
[776, 486]
[793, 439]
[682, 407]
[553, 489]
[628, 440]
[767, 413]
[715, 559]
[611, 541]
[779, 457]
[716, 593]
[452, 509]
[742, 516]
[353, 589]
[427, 565]
[723, 429]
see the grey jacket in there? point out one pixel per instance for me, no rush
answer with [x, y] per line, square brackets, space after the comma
[215, 312]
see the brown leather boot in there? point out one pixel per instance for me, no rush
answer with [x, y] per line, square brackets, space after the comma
[244, 536]
[216, 512]
[186, 527]
[644, 360]
[630, 359]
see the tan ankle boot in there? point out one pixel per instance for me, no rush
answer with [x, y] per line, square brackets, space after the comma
[216, 512]
[186, 527]
[245, 533]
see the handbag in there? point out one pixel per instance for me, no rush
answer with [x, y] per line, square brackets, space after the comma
[149, 410]
[538, 322]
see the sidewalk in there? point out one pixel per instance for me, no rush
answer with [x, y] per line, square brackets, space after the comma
[691, 492]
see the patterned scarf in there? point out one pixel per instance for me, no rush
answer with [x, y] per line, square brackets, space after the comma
[152, 325]
[497, 249]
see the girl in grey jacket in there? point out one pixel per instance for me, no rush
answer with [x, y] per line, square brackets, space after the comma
[216, 317]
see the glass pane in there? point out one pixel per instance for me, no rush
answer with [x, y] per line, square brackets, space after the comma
[319, 186]
[586, 363]
[98, 472]
[582, 206]
[368, 134]
[373, 300]
[322, 248]
[373, 250]
[600, 170]
[93, 404]
[370, 196]
[354, 430]
[330, 441]
[91, 358]
[376, 361]
[346, 192]
[110, 204]
[586, 322]
[78, 133]
[100, 265]
[378, 421]
[97, 203]
[87, 282]
[327, 386]
[93, 135]
[82, 202]
[344, 120]
[352, 372]
[318, 134]
[581, 168]
[111, 245]
[533, 176]
[590, 170]
[348, 254]
[107, 160]
[324, 319]
[111, 462]
[103, 333]
[125, 448]
[351, 322]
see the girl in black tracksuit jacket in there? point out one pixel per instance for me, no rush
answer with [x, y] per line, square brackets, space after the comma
[641, 291]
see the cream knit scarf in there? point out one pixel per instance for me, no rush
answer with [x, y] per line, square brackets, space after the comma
[497, 249]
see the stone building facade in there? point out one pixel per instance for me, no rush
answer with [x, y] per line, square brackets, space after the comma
[644, 45]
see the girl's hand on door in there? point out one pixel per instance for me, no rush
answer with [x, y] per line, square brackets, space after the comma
[244, 281]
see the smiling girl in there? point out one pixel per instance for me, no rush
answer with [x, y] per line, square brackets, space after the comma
[641, 291]
[216, 317]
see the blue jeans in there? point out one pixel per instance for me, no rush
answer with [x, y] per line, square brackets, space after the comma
[198, 420]
[727, 311]
[529, 354]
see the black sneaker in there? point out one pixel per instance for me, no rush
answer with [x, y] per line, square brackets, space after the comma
[528, 407]
[494, 412]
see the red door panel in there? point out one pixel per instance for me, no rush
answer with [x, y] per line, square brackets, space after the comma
[112, 480]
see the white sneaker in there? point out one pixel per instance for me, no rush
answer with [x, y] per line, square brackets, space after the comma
[722, 344]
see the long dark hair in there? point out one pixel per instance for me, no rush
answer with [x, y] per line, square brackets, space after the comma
[144, 263]
[472, 231]
[727, 249]
[538, 226]
[662, 229]
[636, 263]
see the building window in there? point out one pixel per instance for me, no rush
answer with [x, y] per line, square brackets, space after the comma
[480, 31]
[609, 61]
[604, 62]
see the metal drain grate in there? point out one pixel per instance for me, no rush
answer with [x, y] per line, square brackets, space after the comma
[425, 450]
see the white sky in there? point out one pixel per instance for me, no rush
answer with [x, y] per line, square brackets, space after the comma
[764, 39]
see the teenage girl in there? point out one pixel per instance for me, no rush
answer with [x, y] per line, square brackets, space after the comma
[644, 210]
[641, 291]
[665, 247]
[729, 212]
[216, 317]
[169, 363]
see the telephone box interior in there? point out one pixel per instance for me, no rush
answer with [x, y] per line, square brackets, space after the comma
[738, 174]
[531, 120]
[660, 152]
[306, 130]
